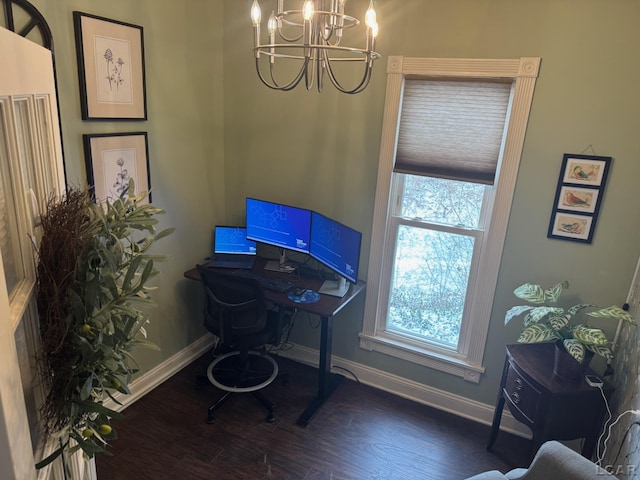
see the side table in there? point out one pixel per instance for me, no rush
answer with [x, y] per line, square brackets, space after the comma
[553, 408]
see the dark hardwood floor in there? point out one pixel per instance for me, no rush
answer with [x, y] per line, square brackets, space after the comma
[361, 433]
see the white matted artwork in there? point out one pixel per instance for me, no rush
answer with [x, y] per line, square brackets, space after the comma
[110, 68]
[112, 159]
[585, 170]
[578, 199]
[568, 225]
[113, 70]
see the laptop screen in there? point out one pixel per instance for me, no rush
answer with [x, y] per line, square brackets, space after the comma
[233, 240]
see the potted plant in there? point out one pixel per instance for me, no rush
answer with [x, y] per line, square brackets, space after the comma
[544, 320]
[94, 265]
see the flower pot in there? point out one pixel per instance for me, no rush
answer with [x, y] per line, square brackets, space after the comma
[567, 367]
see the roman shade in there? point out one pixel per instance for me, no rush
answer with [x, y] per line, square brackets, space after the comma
[452, 128]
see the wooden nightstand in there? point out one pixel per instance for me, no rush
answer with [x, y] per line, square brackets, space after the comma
[553, 408]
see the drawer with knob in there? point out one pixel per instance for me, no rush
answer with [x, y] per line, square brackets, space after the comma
[521, 394]
[551, 407]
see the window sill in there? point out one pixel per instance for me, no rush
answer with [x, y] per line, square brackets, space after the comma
[441, 360]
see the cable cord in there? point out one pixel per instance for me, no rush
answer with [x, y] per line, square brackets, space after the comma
[604, 426]
[349, 372]
[285, 344]
[624, 439]
[600, 456]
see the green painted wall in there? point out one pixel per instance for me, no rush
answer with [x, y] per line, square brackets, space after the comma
[185, 124]
[217, 135]
[320, 151]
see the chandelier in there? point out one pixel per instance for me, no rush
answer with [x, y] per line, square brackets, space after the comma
[310, 46]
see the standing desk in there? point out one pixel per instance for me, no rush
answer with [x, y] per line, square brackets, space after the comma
[327, 307]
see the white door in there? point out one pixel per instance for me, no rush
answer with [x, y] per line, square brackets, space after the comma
[30, 171]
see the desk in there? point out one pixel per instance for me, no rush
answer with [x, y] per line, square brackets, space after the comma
[327, 307]
[553, 408]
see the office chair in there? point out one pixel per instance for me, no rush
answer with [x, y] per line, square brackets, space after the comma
[236, 312]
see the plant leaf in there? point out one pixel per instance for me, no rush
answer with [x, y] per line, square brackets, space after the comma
[515, 311]
[164, 233]
[145, 344]
[590, 336]
[86, 388]
[46, 461]
[530, 293]
[537, 332]
[88, 447]
[574, 348]
[576, 308]
[552, 294]
[602, 350]
[613, 312]
[88, 406]
[538, 313]
[133, 268]
[558, 322]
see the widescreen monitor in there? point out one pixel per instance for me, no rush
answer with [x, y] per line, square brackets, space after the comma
[278, 225]
[336, 246]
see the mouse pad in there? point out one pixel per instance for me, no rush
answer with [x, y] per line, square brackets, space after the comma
[308, 296]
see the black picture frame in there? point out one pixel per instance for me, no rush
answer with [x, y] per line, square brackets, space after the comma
[112, 159]
[112, 84]
[578, 197]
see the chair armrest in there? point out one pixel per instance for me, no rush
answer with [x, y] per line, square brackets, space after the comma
[554, 460]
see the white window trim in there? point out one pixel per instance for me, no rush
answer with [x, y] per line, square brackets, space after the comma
[467, 362]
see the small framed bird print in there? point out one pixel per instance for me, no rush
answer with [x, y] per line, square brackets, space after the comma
[585, 169]
[578, 197]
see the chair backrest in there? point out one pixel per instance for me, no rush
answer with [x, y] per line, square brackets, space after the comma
[235, 307]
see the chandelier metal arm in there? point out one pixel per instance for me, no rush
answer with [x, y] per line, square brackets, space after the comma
[317, 36]
[366, 77]
[274, 84]
[270, 51]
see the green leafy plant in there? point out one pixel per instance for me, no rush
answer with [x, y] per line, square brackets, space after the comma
[93, 268]
[544, 321]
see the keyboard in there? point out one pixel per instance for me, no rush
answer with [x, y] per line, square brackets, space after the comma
[269, 283]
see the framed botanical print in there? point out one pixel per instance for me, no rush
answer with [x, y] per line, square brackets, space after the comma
[112, 159]
[110, 68]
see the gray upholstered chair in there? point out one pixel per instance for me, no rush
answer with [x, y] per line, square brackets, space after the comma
[552, 461]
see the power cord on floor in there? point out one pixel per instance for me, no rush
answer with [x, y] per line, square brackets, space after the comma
[349, 372]
[624, 439]
[600, 456]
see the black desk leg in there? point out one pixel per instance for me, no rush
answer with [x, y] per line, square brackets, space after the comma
[327, 381]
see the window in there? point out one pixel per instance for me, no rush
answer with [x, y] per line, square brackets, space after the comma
[452, 137]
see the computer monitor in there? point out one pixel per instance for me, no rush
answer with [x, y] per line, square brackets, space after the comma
[338, 247]
[279, 225]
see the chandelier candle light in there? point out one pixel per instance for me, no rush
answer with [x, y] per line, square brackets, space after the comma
[311, 39]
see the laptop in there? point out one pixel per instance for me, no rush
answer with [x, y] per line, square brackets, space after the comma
[231, 249]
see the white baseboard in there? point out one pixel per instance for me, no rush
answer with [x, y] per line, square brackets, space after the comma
[418, 392]
[154, 377]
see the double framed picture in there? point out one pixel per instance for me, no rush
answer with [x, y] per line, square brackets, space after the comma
[111, 75]
[578, 197]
